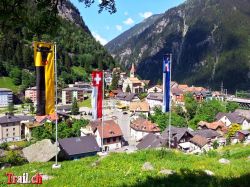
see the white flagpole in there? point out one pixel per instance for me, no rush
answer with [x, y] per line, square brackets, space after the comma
[102, 107]
[170, 101]
[55, 69]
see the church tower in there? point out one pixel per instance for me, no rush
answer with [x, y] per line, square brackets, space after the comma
[132, 71]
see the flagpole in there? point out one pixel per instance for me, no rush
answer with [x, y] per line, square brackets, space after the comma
[102, 107]
[56, 157]
[170, 100]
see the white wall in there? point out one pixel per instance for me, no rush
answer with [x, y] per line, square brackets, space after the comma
[245, 125]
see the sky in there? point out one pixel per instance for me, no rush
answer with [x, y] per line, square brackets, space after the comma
[105, 27]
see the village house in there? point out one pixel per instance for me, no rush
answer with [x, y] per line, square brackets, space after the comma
[135, 85]
[151, 141]
[125, 98]
[12, 128]
[156, 89]
[139, 108]
[31, 94]
[78, 147]
[233, 117]
[68, 95]
[177, 95]
[142, 127]
[85, 86]
[111, 134]
[204, 95]
[6, 97]
[154, 100]
[177, 135]
[209, 134]
[217, 126]
[199, 144]
[243, 136]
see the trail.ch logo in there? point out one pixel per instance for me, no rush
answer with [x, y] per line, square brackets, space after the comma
[24, 179]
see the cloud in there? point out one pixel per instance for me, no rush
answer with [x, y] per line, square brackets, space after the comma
[128, 21]
[146, 14]
[103, 41]
[126, 13]
[118, 27]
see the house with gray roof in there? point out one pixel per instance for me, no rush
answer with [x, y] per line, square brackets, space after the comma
[177, 135]
[151, 141]
[154, 100]
[78, 147]
[12, 128]
[126, 98]
[233, 117]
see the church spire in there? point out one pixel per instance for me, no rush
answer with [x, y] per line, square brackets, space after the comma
[132, 71]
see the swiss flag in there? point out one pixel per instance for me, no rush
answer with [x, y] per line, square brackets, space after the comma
[97, 82]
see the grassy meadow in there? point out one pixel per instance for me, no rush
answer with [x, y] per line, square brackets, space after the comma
[6, 82]
[122, 169]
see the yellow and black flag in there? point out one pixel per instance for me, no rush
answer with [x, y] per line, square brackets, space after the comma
[44, 62]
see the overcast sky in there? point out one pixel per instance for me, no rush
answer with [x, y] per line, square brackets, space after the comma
[105, 27]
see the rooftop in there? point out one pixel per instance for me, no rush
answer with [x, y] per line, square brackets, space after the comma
[199, 140]
[155, 96]
[144, 125]
[79, 145]
[139, 106]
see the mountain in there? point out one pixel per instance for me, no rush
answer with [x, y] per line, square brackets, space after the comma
[77, 50]
[209, 40]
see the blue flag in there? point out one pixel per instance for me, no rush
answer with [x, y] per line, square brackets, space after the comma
[166, 82]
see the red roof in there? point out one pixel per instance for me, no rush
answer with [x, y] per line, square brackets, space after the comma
[214, 125]
[110, 129]
[144, 125]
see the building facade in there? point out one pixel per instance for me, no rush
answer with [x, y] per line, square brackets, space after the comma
[68, 95]
[31, 93]
[6, 97]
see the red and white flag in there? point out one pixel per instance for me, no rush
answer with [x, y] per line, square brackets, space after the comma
[97, 82]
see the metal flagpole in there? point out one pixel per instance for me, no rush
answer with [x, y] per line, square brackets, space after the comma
[55, 59]
[170, 100]
[102, 107]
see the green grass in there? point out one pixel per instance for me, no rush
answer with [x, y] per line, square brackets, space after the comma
[6, 82]
[85, 103]
[121, 169]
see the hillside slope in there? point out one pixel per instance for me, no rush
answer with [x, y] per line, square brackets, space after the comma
[209, 40]
[126, 170]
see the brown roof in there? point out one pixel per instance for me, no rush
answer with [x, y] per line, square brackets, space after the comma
[144, 125]
[183, 86]
[135, 80]
[214, 125]
[199, 140]
[194, 89]
[139, 106]
[110, 129]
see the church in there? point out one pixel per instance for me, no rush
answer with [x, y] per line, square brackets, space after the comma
[133, 84]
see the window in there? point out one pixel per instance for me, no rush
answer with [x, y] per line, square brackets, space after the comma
[7, 135]
[108, 140]
[14, 134]
[114, 139]
[7, 130]
[13, 129]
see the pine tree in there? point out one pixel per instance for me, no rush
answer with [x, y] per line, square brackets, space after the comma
[128, 89]
[75, 108]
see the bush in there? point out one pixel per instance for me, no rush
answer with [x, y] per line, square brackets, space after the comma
[215, 144]
[4, 145]
[13, 158]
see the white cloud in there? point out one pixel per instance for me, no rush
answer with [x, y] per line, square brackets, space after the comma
[146, 14]
[100, 1]
[103, 41]
[118, 27]
[125, 13]
[128, 21]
